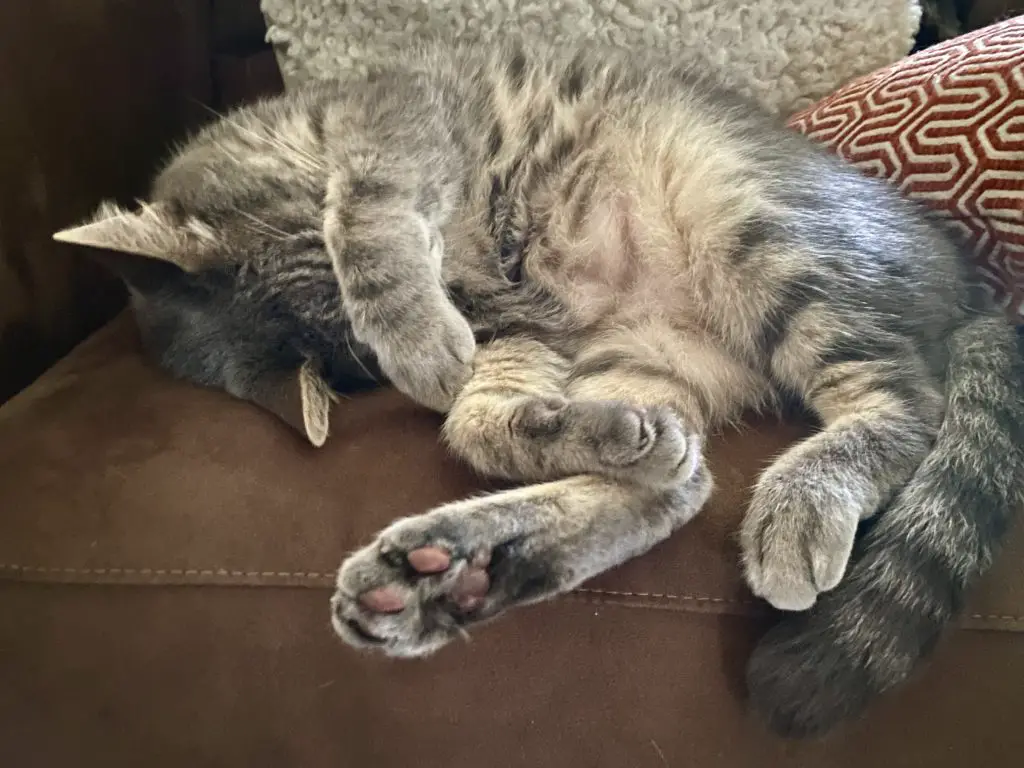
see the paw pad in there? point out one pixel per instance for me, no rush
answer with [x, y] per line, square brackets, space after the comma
[466, 591]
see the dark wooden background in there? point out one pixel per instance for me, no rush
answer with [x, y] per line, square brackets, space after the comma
[92, 95]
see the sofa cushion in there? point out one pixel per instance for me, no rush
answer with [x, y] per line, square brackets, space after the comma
[111, 472]
[947, 126]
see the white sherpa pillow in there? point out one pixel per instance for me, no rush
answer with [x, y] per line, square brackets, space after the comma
[790, 52]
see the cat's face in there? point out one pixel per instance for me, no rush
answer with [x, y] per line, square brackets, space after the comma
[231, 284]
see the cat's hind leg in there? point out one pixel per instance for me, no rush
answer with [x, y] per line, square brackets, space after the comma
[426, 578]
[630, 475]
[881, 411]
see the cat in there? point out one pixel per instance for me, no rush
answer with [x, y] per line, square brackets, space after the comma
[588, 260]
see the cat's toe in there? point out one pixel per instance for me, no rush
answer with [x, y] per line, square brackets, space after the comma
[664, 453]
[372, 607]
[622, 434]
[426, 560]
[676, 454]
[363, 623]
[383, 600]
[541, 417]
[447, 353]
[434, 362]
[783, 588]
[470, 588]
[645, 445]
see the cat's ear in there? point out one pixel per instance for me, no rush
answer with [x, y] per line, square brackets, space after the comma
[301, 399]
[148, 232]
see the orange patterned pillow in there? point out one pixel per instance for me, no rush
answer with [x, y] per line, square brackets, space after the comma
[947, 126]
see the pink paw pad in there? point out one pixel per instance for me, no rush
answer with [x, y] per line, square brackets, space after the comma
[467, 592]
[429, 560]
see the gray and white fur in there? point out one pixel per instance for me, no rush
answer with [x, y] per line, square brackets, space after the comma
[590, 260]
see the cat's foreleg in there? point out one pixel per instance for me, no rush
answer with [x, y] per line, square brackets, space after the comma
[426, 578]
[387, 255]
[631, 475]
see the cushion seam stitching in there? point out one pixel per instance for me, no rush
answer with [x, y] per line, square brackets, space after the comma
[320, 575]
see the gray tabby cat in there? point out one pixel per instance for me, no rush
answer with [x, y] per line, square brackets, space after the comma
[590, 260]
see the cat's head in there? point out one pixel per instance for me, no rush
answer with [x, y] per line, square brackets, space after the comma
[230, 280]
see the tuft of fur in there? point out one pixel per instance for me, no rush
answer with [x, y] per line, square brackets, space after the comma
[589, 261]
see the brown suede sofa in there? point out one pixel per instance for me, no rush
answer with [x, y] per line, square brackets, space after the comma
[166, 557]
[167, 553]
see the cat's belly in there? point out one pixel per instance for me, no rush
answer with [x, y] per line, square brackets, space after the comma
[646, 306]
[649, 236]
[615, 261]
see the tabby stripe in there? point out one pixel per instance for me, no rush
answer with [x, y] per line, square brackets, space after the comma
[580, 203]
[797, 295]
[515, 69]
[868, 347]
[495, 140]
[617, 362]
[571, 85]
[538, 124]
[889, 377]
[754, 233]
[370, 189]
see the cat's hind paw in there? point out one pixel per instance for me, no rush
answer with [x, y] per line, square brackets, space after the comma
[647, 446]
[407, 602]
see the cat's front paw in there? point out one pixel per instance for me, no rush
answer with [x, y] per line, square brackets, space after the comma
[796, 539]
[433, 362]
[648, 446]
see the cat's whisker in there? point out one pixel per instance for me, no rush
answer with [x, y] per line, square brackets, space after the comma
[263, 224]
[359, 361]
[276, 140]
[232, 155]
[293, 147]
[258, 231]
[283, 142]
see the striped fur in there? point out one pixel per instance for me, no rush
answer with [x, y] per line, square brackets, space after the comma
[590, 261]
